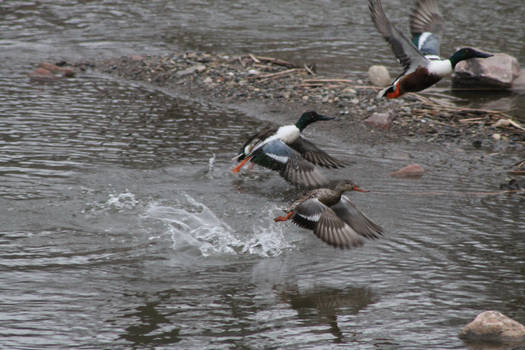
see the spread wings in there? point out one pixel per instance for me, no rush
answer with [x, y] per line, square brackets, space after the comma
[314, 154]
[276, 155]
[407, 54]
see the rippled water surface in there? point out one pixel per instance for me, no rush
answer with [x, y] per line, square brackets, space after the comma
[123, 227]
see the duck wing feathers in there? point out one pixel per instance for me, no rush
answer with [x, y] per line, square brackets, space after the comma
[277, 155]
[360, 223]
[314, 154]
[325, 223]
[426, 27]
[407, 54]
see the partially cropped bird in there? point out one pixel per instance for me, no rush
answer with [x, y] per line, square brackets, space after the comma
[423, 67]
[284, 149]
[332, 216]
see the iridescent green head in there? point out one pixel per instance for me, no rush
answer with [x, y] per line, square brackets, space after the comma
[465, 54]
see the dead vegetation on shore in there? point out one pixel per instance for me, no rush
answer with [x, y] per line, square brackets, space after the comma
[232, 79]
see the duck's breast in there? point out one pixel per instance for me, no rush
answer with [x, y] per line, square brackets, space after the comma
[440, 68]
[288, 133]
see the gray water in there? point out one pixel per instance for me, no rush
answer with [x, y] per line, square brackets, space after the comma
[123, 227]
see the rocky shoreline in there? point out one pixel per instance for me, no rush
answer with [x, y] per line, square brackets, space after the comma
[279, 86]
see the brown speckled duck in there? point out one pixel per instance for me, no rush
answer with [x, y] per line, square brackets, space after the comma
[332, 216]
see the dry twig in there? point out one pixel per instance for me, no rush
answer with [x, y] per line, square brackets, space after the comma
[276, 61]
[277, 75]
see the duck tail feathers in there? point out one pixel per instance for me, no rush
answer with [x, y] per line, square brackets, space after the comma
[383, 92]
[237, 157]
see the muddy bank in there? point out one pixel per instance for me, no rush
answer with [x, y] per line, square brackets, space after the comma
[280, 90]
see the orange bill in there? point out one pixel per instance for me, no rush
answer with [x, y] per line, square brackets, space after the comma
[359, 189]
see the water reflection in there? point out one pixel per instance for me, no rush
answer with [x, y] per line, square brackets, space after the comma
[325, 305]
[91, 170]
[492, 346]
[149, 327]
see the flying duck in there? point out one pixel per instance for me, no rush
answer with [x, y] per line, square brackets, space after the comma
[284, 149]
[332, 216]
[423, 67]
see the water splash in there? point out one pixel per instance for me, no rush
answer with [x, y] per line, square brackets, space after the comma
[122, 201]
[211, 163]
[192, 224]
[268, 241]
[116, 202]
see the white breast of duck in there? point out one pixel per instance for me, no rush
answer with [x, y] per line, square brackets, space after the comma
[288, 134]
[441, 68]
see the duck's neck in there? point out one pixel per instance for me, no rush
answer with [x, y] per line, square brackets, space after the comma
[302, 123]
[330, 196]
[337, 193]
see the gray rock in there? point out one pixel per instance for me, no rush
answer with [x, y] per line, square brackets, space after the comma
[348, 91]
[519, 83]
[380, 120]
[379, 76]
[496, 72]
[493, 326]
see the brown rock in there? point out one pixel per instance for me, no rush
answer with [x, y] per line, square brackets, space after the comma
[380, 120]
[68, 73]
[410, 171]
[42, 74]
[53, 68]
[50, 67]
[493, 326]
[496, 72]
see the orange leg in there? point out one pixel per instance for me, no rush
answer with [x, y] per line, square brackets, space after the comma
[283, 218]
[239, 166]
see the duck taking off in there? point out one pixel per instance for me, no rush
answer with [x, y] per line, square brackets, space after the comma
[284, 149]
[332, 216]
[423, 67]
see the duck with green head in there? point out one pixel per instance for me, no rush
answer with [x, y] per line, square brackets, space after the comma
[285, 149]
[423, 66]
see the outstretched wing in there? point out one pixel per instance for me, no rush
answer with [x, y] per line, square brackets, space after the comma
[406, 53]
[426, 27]
[361, 224]
[314, 154]
[308, 212]
[276, 155]
[314, 215]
